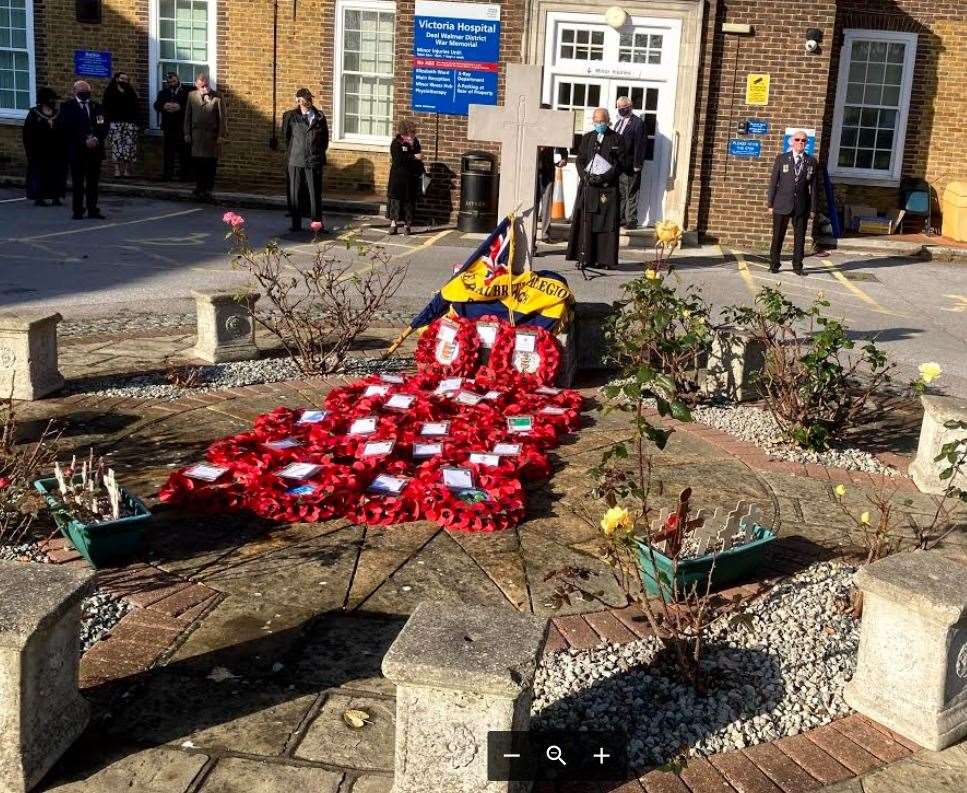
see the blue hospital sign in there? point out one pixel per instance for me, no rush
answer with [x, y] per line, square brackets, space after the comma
[456, 50]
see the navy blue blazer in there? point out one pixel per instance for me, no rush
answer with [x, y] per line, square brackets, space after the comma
[787, 196]
[635, 140]
[78, 125]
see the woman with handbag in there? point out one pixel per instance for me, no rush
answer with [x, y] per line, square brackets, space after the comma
[405, 177]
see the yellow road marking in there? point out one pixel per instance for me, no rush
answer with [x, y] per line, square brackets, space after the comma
[828, 264]
[745, 273]
[85, 229]
[11, 200]
[960, 304]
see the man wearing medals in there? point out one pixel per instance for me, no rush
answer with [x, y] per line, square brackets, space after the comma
[792, 195]
[602, 158]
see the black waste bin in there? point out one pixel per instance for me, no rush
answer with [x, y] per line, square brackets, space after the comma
[478, 192]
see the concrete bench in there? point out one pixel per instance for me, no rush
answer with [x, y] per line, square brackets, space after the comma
[28, 355]
[460, 672]
[937, 411]
[911, 673]
[41, 711]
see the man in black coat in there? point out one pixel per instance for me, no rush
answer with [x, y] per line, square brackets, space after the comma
[85, 128]
[170, 105]
[630, 127]
[792, 195]
[602, 157]
[306, 135]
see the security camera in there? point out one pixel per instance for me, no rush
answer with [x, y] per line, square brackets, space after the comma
[813, 37]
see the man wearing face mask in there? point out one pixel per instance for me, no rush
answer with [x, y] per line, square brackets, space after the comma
[602, 158]
[170, 104]
[85, 127]
[632, 129]
[306, 135]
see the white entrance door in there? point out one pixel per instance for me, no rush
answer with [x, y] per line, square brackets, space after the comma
[588, 65]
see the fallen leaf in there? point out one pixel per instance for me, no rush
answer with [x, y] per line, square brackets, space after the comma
[220, 674]
[357, 719]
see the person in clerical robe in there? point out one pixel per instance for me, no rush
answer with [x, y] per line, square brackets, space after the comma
[602, 158]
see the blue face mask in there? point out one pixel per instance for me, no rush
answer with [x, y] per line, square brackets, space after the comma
[601, 127]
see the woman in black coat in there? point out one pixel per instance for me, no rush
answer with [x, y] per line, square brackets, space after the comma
[405, 175]
[46, 150]
[123, 110]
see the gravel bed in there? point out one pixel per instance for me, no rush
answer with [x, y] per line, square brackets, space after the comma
[783, 675]
[100, 612]
[757, 426]
[126, 322]
[156, 386]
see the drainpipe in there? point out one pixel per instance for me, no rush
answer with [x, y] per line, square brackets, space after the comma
[274, 139]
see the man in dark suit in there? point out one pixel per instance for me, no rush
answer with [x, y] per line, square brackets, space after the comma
[630, 127]
[170, 105]
[595, 219]
[85, 128]
[792, 195]
[306, 134]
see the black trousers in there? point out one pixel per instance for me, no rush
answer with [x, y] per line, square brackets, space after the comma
[779, 225]
[312, 179]
[86, 179]
[205, 174]
[629, 184]
[175, 148]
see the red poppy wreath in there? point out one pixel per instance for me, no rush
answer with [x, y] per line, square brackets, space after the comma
[448, 348]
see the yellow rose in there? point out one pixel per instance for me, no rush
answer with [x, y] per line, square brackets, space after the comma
[651, 275]
[840, 490]
[617, 520]
[930, 371]
[865, 518]
[667, 231]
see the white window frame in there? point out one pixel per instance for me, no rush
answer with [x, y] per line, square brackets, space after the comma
[339, 134]
[12, 113]
[154, 53]
[873, 175]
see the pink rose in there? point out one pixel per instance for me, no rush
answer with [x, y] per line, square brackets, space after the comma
[4, 481]
[234, 220]
[316, 225]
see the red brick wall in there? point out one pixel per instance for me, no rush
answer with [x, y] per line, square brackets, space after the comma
[938, 103]
[727, 194]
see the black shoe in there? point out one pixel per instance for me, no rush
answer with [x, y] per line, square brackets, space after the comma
[798, 271]
[773, 268]
[78, 216]
[95, 214]
[392, 231]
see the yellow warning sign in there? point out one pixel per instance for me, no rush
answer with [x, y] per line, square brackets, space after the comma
[757, 89]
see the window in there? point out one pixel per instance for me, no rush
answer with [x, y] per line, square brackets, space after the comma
[364, 73]
[16, 58]
[581, 98]
[639, 46]
[182, 40]
[872, 102]
[644, 101]
[581, 44]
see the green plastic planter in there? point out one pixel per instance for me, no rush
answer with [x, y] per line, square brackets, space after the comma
[102, 544]
[731, 565]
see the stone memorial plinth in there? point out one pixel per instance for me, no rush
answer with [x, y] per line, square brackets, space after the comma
[226, 330]
[41, 711]
[460, 671]
[937, 411]
[734, 363]
[911, 672]
[28, 355]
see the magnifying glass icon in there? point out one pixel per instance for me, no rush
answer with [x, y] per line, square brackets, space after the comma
[554, 755]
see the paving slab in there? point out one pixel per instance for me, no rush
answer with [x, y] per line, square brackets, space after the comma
[242, 775]
[384, 550]
[329, 739]
[88, 770]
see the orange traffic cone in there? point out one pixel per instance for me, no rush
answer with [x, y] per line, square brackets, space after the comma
[557, 203]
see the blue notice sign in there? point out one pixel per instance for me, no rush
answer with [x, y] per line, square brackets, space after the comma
[757, 127]
[456, 50]
[745, 148]
[92, 63]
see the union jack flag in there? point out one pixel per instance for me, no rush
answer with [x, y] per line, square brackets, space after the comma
[493, 253]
